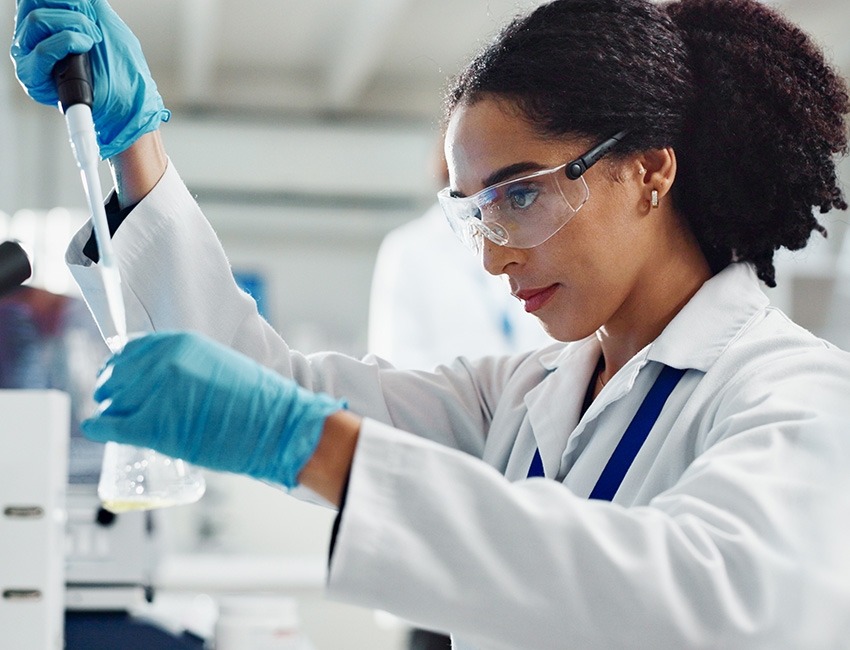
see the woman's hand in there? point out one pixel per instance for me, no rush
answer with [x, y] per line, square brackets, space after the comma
[126, 101]
[192, 398]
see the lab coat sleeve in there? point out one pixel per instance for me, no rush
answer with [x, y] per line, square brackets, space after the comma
[746, 550]
[176, 276]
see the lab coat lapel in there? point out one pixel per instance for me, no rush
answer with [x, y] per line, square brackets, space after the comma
[554, 405]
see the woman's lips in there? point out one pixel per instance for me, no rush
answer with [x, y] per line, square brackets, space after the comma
[534, 299]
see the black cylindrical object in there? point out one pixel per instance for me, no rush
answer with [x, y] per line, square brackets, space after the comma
[14, 266]
[73, 81]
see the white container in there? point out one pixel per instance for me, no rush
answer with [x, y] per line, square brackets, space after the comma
[253, 622]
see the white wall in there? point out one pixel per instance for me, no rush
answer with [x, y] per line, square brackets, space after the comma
[305, 203]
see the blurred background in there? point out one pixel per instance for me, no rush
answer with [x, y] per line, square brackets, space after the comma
[307, 132]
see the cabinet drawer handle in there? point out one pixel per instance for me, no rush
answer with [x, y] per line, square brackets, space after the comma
[22, 594]
[24, 512]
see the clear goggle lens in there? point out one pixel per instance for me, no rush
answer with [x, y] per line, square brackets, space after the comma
[520, 213]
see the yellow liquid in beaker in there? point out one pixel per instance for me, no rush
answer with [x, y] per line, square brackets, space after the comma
[118, 506]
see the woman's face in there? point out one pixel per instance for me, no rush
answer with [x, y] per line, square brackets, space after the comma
[589, 273]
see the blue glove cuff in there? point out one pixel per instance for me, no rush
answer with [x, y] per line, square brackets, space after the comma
[118, 138]
[306, 420]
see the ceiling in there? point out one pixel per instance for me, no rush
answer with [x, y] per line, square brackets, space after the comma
[355, 57]
[327, 56]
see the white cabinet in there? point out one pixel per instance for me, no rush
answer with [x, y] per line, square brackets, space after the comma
[33, 474]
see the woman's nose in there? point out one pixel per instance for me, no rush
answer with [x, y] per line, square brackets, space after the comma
[496, 259]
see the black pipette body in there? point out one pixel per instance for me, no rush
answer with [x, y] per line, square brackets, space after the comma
[73, 81]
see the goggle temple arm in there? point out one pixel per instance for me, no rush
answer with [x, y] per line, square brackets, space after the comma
[577, 167]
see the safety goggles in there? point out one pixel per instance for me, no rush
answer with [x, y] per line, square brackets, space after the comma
[523, 212]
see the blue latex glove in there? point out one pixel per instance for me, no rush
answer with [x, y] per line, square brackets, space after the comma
[192, 398]
[126, 102]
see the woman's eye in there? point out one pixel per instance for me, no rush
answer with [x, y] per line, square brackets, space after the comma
[522, 197]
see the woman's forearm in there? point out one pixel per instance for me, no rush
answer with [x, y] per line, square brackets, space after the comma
[137, 169]
[327, 471]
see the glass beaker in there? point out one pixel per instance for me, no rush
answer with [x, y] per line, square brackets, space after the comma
[135, 478]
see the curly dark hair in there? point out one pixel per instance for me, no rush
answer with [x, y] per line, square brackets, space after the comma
[745, 98]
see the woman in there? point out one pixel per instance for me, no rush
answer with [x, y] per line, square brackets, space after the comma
[631, 168]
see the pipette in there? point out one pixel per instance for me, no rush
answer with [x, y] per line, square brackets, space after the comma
[131, 478]
[73, 83]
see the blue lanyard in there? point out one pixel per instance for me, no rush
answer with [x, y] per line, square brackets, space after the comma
[631, 442]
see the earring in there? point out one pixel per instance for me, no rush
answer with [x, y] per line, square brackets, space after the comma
[653, 198]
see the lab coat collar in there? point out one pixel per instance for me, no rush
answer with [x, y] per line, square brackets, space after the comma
[702, 329]
[710, 320]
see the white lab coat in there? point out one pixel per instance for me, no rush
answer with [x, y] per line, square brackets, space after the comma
[432, 301]
[729, 531]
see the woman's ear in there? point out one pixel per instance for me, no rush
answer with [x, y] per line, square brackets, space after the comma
[656, 173]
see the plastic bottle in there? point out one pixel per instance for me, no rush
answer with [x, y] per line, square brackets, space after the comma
[259, 622]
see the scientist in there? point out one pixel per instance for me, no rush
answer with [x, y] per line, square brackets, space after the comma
[674, 475]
